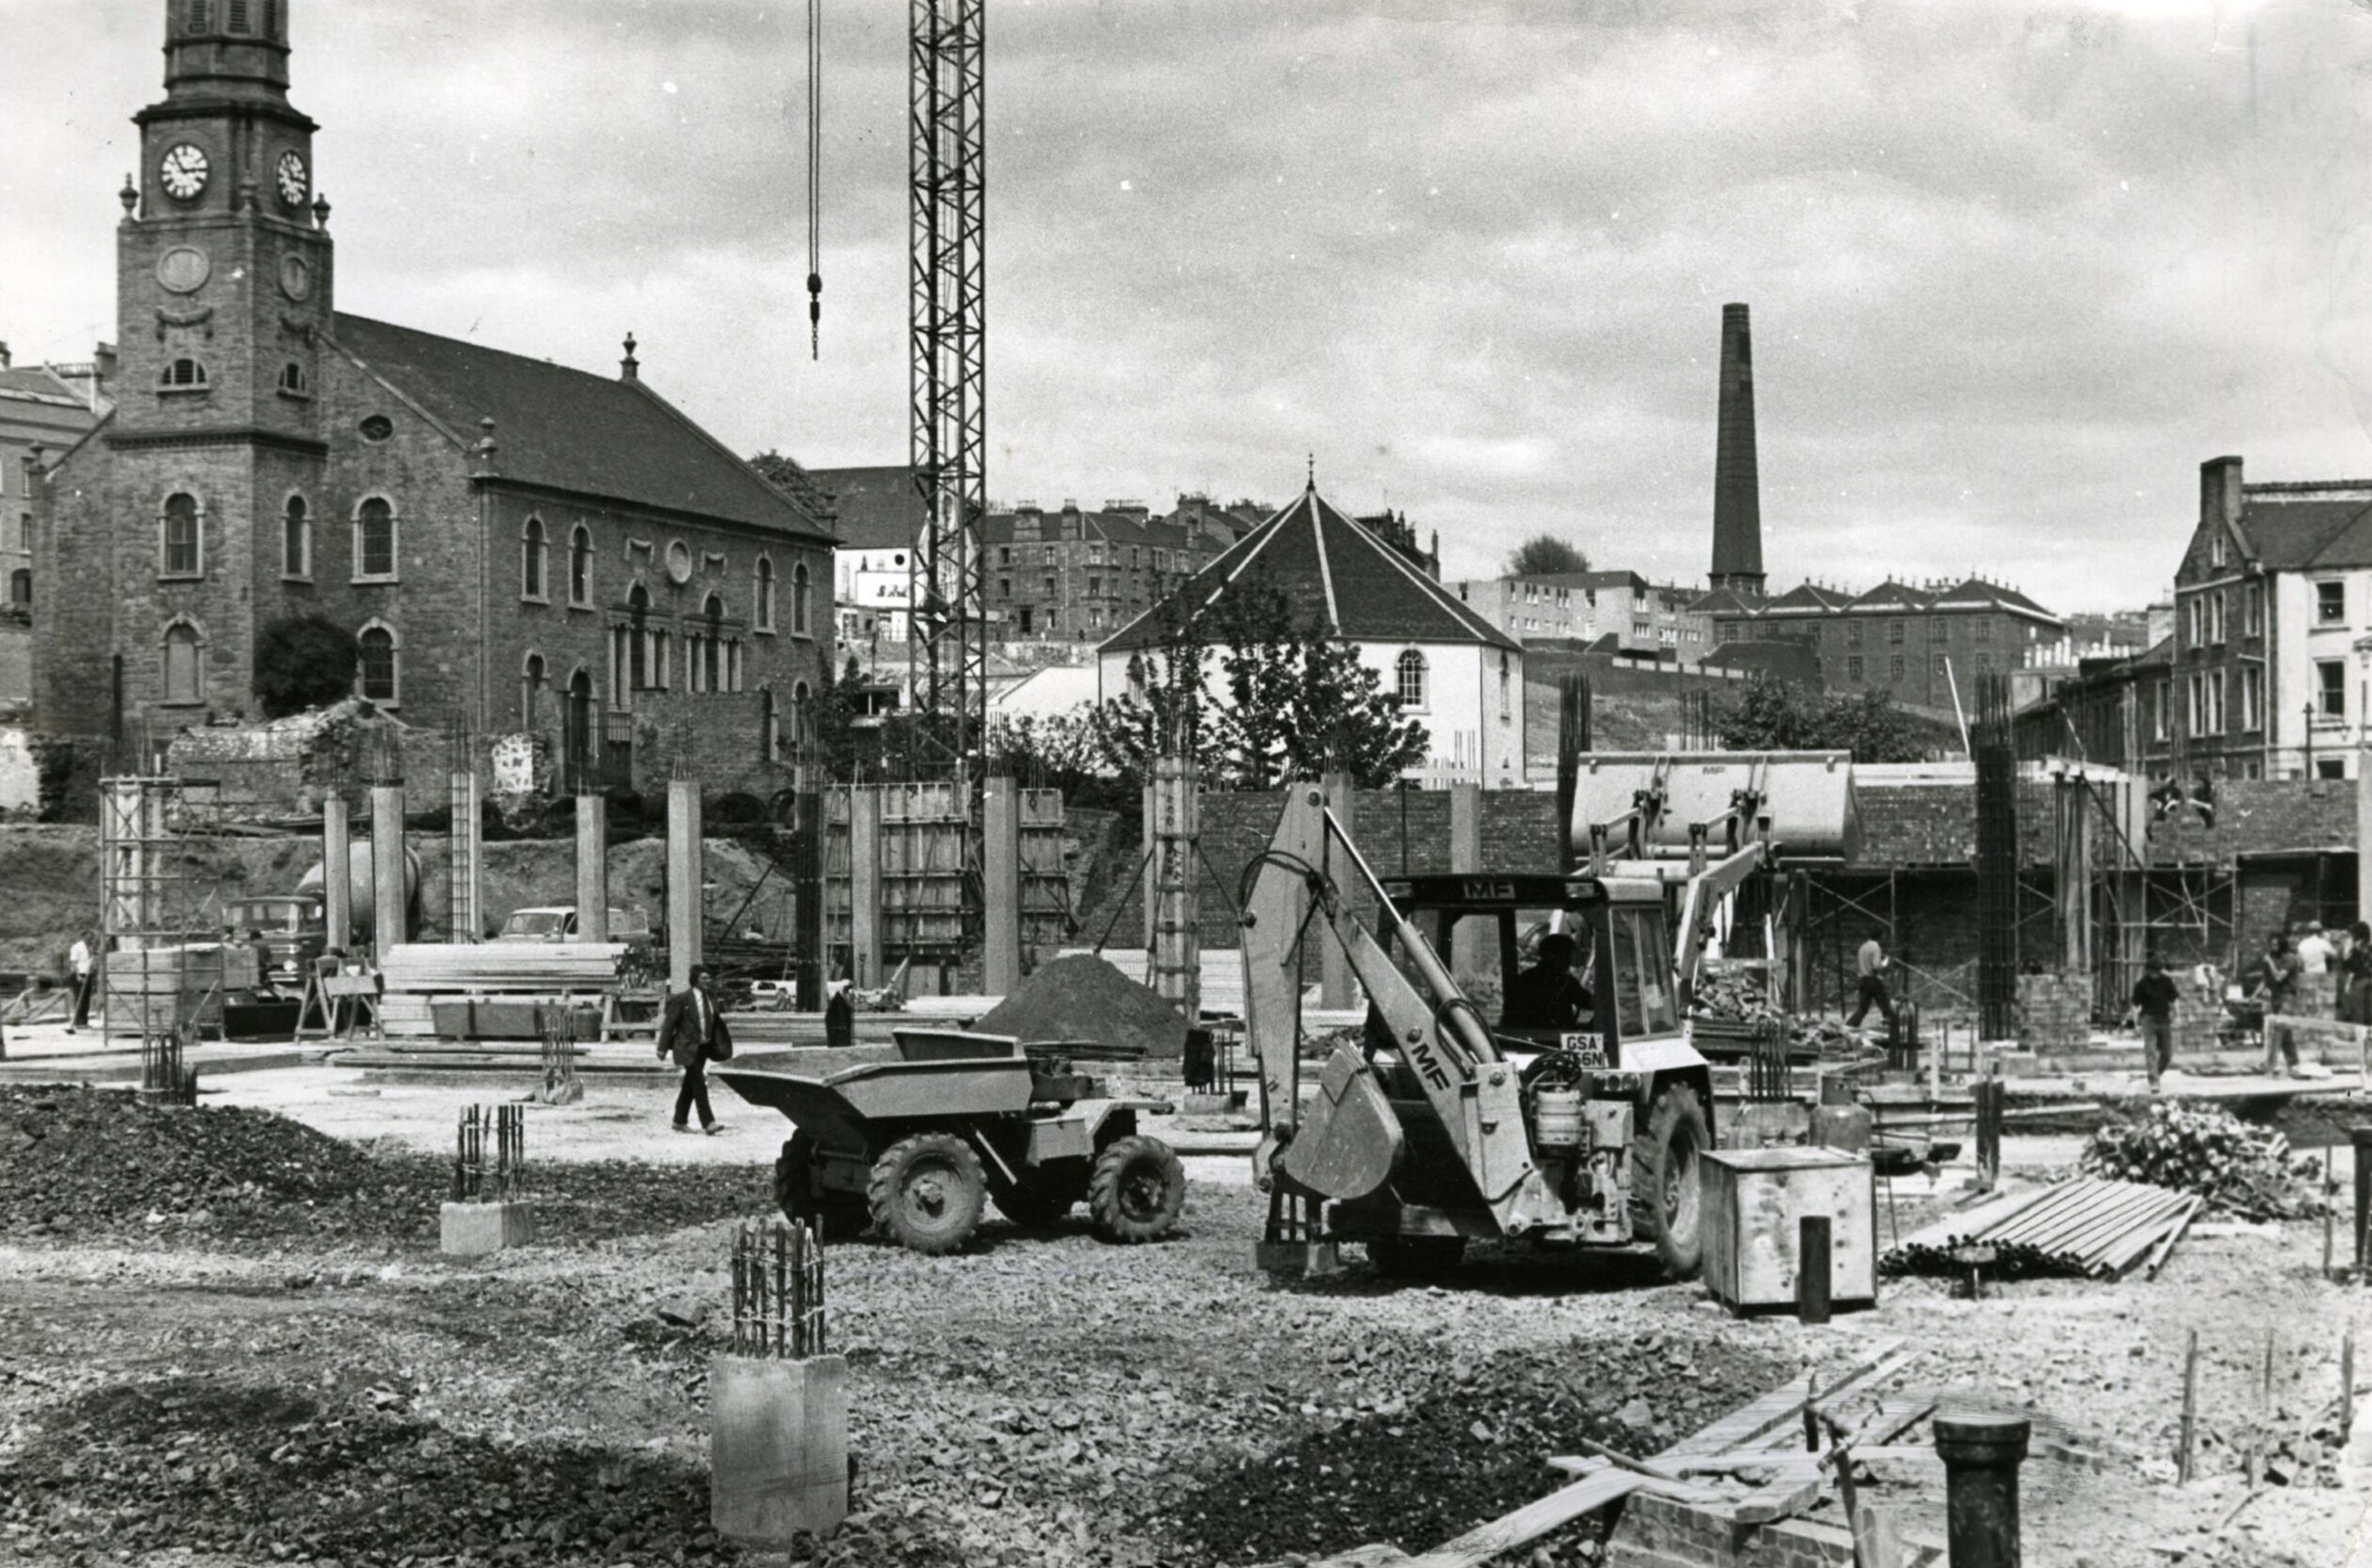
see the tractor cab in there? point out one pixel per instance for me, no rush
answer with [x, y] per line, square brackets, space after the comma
[1618, 990]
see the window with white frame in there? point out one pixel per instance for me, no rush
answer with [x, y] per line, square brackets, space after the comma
[2330, 688]
[2330, 603]
[2252, 699]
[2255, 611]
[1410, 680]
[2215, 617]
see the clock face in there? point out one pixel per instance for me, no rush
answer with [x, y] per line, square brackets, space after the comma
[183, 171]
[293, 184]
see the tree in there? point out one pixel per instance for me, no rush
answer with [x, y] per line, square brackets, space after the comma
[1297, 703]
[1778, 715]
[1546, 553]
[788, 477]
[303, 662]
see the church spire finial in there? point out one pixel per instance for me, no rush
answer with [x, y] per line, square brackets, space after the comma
[1312, 470]
[629, 369]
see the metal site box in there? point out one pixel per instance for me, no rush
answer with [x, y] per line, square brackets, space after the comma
[1752, 1200]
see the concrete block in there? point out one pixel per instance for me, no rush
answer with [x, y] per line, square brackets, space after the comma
[778, 1453]
[474, 1230]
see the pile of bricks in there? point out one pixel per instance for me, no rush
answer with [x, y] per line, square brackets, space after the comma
[2198, 1015]
[1658, 1532]
[2055, 1011]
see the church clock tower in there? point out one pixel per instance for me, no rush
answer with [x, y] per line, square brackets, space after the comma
[223, 257]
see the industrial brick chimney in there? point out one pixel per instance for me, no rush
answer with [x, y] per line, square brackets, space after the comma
[1737, 484]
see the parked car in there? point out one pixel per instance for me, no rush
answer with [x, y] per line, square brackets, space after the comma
[557, 923]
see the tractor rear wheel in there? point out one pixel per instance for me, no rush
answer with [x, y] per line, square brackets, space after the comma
[1665, 1205]
[927, 1192]
[1138, 1191]
[1416, 1257]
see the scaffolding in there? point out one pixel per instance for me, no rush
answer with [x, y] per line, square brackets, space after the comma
[165, 960]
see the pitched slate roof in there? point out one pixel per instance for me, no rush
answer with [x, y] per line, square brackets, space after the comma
[2296, 528]
[876, 509]
[38, 383]
[1723, 601]
[1331, 572]
[1808, 597]
[572, 431]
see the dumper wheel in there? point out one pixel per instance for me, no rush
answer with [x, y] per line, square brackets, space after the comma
[1416, 1257]
[1138, 1190]
[1665, 1206]
[927, 1192]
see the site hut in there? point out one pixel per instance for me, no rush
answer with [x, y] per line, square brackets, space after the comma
[1451, 669]
[517, 546]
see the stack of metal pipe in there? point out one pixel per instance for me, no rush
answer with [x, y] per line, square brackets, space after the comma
[2085, 1228]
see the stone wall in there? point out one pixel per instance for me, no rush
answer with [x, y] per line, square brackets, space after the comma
[20, 774]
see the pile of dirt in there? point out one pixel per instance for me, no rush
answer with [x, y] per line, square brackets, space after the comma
[1420, 1471]
[1084, 997]
[84, 1161]
[267, 1473]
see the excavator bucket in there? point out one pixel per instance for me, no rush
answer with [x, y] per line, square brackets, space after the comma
[1349, 1141]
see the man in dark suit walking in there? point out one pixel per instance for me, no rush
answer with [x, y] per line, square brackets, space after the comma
[691, 1030]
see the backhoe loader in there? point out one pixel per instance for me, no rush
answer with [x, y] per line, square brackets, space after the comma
[1441, 1126]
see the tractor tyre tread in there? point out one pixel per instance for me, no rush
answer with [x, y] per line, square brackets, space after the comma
[1675, 1121]
[1114, 1197]
[892, 1218]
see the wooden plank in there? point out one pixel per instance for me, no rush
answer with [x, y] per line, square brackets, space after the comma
[1780, 1408]
[1533, 1520]
[1785, 1435]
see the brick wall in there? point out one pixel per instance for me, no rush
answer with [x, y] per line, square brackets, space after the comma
[1656, 1532]
[2055, 1011]
[1396, 830]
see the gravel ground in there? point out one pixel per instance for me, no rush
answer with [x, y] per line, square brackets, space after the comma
[269, 1387]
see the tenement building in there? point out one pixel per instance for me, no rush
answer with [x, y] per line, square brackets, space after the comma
[515, 546]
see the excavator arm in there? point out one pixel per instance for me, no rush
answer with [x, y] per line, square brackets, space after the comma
[1349, 1144]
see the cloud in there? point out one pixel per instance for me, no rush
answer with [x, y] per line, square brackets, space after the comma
[2015, 270]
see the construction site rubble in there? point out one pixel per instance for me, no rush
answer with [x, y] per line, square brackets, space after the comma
[1081, 998]
[2239, 1169]
[1732, 1009]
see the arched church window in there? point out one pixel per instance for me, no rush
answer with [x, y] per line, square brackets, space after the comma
[182, 375]
[1410, 684]
[294, 381]
[764, 616]
[185, 664]
[375, 540]
[182, 544]
[381, 679]
[532, 549]
[296, 539]
[798, 600]
[580, 566]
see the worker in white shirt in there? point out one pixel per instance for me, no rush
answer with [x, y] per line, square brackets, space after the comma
[2314, 950]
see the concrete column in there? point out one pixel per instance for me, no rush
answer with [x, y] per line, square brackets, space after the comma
[685, 871]
[807, 938]
[593, 867]
[864, 886]
[388, 901]
[1337, 987]
[1471, 943]
[1148, 889]
[1001, 867]
[464, 846]
[777, 1448]
[1177, 964]
[337, 873]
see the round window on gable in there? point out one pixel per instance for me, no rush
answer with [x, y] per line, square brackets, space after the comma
[378, 428]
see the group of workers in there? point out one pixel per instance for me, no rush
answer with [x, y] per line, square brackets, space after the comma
[2268, 985]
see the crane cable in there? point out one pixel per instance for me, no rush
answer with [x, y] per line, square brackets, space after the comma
[814, 178]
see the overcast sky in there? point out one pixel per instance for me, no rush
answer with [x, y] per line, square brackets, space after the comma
[2015, 270]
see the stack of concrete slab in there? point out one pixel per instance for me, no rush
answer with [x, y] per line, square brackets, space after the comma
[419, 976]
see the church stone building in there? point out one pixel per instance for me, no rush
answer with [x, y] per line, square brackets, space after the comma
[518, 547]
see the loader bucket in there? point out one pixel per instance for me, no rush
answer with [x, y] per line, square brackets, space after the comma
[1349, 1144]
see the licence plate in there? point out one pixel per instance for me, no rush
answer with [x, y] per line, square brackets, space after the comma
[1590, 1048]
